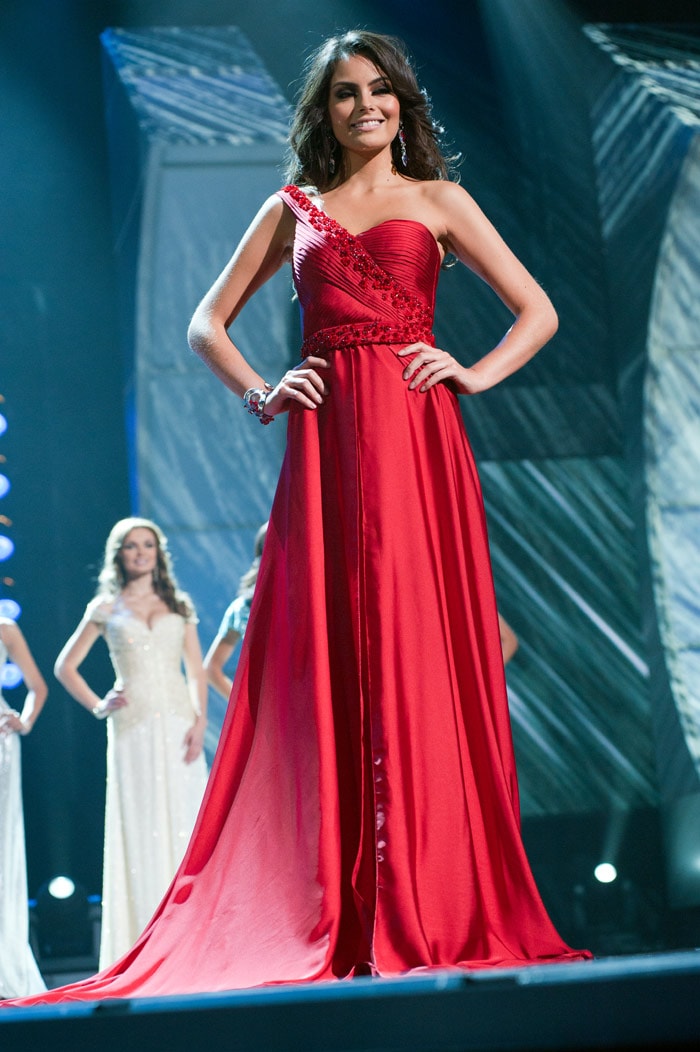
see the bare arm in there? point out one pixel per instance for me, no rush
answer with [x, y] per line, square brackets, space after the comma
[66, 671]
[197, 684]
[218, 654]
[19, 652]
[467, 232]
[509, 640]
[264, 248]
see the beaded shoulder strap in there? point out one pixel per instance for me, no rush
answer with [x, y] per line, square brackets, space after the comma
[354, 255]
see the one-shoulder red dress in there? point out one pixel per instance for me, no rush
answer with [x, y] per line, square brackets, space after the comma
[362, 811]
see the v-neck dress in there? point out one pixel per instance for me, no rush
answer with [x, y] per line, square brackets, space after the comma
[153, 796]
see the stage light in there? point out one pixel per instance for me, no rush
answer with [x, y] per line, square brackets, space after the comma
[7, 547]
[3, 424]
[10, 609]
[4, 485]
[61, 887]
[63, 923]
[605, 873]
[10, 675]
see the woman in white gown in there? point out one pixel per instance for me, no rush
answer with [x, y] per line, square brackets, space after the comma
[156, 771]
[19, 974]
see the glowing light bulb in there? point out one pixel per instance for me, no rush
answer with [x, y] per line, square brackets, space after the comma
[605, 872]
[9, 608]
[61, 887]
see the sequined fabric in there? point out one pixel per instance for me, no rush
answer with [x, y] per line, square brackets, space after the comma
[152, 795]
[19, 974]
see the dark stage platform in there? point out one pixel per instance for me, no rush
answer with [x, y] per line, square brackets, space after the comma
[641, 1002]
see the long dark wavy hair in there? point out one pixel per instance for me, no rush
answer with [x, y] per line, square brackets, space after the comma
[112, 578]
[310, 139]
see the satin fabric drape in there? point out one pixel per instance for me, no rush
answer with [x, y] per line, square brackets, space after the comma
[362, 811]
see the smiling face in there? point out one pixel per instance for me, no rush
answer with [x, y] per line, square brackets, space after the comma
[139, 553]
[362, 109]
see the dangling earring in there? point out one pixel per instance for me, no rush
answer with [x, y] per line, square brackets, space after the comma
[402, 145]
[332, 142]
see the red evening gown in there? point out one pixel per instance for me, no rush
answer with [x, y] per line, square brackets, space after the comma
[362, 810]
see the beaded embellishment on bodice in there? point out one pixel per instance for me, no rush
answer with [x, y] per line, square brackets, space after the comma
[374, 287]
[353, 254]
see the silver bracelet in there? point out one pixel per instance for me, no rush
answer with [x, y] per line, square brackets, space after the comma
[254, 401]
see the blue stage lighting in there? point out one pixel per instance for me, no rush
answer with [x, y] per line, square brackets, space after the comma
[7, 547]
[9, 608]
[64, 927]
[4, 485]
[10, 675]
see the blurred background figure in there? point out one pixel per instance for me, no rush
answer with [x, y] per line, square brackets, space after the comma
[19, 974]
[509, 640]
[156, 772]
[234, 622]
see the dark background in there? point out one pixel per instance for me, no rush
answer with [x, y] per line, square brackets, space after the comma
[62, 374]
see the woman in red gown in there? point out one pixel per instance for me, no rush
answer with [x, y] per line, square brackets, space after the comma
[362, 811]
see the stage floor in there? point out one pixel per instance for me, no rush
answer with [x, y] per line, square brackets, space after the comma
[647, 1001]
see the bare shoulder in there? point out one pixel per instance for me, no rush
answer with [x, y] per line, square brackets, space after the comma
[439, 190]
[8, 629]
[274, 224]
[273, 206]
[275, 213]
[99, 610]
[446, 196]
[464, 229]
[446, 208]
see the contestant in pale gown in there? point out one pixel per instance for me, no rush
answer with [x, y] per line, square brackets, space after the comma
[156, 771]
[233, 623]
[362, 812]
[19, 974]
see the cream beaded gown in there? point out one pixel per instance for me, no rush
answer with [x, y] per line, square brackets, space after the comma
[153, 796]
